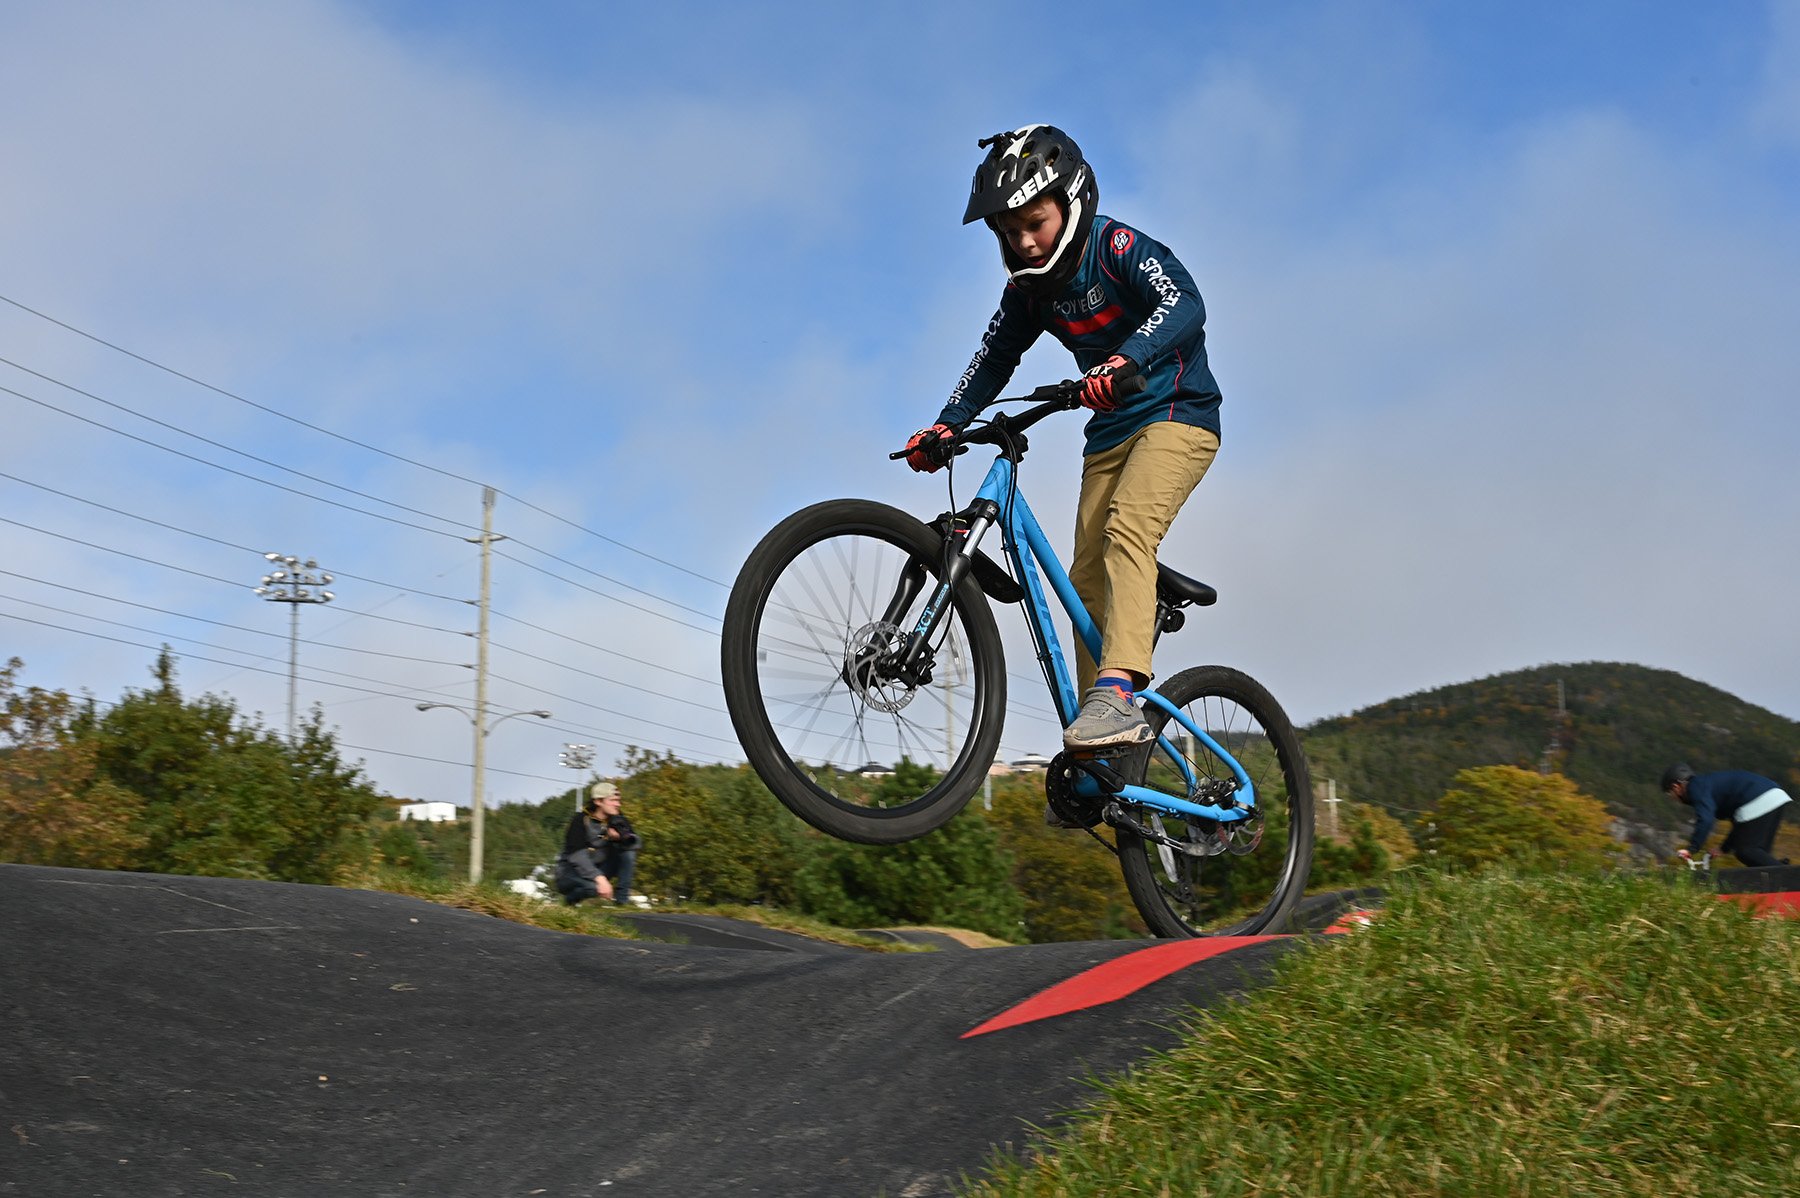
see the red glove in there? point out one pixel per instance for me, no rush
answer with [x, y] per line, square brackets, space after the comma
[919, 450]
[1097, 385]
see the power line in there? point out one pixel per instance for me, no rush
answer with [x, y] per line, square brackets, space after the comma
[610, 737]
[609, 540]
[151, 362]
[230, 395]
[121, 553]
[603, 649]
[221, 623]
[169, 636]
[551, 661]
[213, 577]
[492, 769]
[174, 428]
[227, 469]
[236, 665]
[624, 715]
[614, 598]
[344, 506]
[604, 577]
[211, 539]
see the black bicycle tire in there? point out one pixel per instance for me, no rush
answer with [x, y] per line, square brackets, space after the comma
[750, 718]
[1182, 689]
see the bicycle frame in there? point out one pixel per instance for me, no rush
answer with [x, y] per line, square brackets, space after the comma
[1026, 547]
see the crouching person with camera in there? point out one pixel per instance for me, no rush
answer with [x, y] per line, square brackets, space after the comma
[600, 849]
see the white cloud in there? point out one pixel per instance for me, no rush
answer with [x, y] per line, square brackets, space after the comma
[1776, 111]
[1486, 377]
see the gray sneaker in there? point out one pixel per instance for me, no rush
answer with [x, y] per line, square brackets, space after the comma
[1107, 718]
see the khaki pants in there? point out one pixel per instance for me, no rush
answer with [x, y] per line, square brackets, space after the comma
[1129, 497]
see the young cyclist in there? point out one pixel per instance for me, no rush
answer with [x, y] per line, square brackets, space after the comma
[1123, 305]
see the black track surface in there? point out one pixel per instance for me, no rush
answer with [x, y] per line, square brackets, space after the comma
[198, 1036]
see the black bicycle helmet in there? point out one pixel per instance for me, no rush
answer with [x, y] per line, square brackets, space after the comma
[1679, 772]
[1020, 166]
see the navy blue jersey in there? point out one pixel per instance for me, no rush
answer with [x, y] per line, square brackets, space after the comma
[1724, 794]
[1130, 297]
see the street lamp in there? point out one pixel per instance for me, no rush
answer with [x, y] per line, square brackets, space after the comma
[294, 582]
[481, 734]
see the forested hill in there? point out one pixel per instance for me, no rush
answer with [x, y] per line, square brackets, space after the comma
[1619, 726]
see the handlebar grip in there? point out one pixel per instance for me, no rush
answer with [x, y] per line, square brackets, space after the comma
[1066, 394]
[902, 453]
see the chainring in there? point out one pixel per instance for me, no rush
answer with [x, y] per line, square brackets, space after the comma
[1059, 789]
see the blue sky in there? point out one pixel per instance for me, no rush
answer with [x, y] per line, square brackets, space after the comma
[1501, 298]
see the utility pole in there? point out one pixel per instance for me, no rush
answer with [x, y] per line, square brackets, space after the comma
[1325, 791]
[294, 583]
[1553, 752]
[486, 540]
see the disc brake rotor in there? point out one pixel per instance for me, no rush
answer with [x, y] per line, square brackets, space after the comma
[1246, 834]
[864, 654]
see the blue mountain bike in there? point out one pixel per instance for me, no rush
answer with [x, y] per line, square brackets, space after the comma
[858, 636]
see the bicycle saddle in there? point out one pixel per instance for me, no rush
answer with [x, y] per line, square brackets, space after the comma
[1178, 588]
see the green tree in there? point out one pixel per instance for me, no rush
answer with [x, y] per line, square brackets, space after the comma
[398, 846]
[54, 808]
[325, 810]
[1372, 843]
[773, 840]
[1071, 887]
[222, 796]
[1504, 813]
[1359, 861]
[959, 876]
[711, 834]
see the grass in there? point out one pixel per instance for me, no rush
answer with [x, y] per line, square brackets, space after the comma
[595, 920]
[1492, 1035]
[495, 900]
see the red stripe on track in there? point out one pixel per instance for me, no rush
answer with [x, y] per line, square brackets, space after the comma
[1115, 979]
[1350, 921]
[1781, 903]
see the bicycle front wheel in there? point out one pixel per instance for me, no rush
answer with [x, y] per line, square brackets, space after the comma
[854, 740]
[1221, 879]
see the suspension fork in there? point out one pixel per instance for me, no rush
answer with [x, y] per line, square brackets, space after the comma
[964, 538]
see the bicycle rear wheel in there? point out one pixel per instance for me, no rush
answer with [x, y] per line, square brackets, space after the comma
[821, 705]
[1223, 879]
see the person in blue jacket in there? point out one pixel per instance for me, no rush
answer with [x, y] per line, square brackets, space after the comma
[1124, 305]
[1752, 803]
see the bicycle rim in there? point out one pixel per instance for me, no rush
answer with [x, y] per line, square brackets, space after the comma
[1222, 878]
[847, 745]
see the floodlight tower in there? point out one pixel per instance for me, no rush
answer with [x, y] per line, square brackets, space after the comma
[294, 582]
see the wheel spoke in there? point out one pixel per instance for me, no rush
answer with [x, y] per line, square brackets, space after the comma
[1209, 877]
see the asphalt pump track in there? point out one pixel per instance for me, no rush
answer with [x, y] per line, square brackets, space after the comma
[196, 1036]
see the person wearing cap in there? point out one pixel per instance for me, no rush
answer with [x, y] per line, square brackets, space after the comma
[600, 848]
[1752, 803]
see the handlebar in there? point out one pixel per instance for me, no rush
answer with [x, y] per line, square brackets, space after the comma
[1052, 397]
